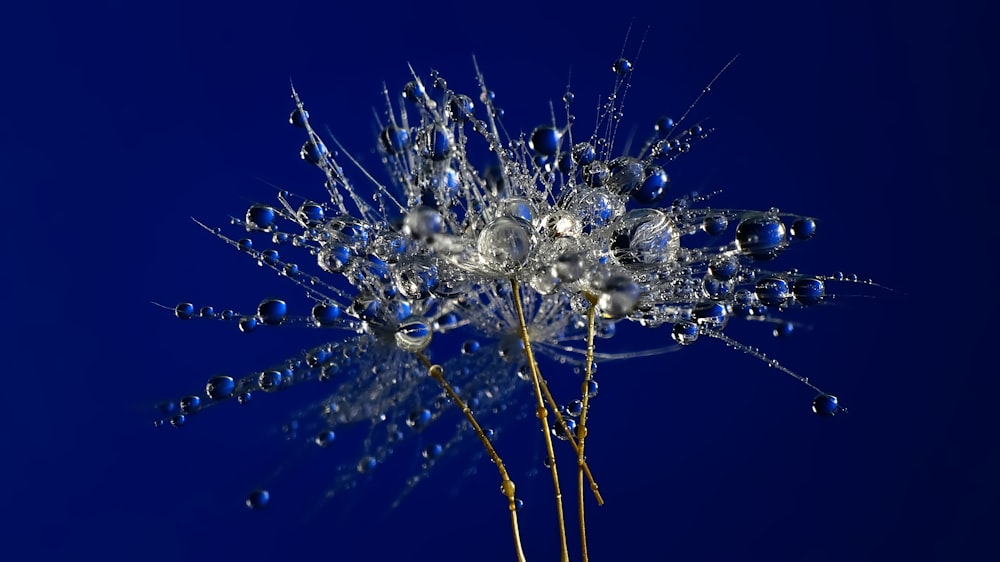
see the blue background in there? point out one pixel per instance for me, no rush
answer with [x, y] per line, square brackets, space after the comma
[123, 119]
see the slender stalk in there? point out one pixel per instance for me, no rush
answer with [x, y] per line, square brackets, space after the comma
[542, 413]
[571, 439]
[436, 372]
[581, 429]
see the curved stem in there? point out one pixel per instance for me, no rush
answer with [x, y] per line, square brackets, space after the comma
[436, 372]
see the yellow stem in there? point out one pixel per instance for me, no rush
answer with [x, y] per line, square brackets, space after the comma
[581, 429]
[436, 372]
[542, 413]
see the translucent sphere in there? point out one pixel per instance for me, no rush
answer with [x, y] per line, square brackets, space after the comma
[772, 291]
[619, 296]
[645, 236]
[825, 405]
[762, 237]
[545, 140]
[324, 438]
[272, 312]
[260, 217]
[220, 387]
[684, 332]
[808, 290]
[506, 243]
[413, 336]
[325, 314]
[258, 499]
[422, 223]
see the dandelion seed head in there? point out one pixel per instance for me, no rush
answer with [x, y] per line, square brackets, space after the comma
[394, 260]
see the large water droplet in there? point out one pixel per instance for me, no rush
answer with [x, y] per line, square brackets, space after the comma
[260, 217]
[808, 290]
[619, 295]
[761, 236]
[272, 312]
[423, 223]
[825, 405]
[772, 291]
[545, 140]
[394, 139]
[413, 336]
[506, 243]
[184, 310]
[622, 67]
[220, 387]
[684, 332]
[325, 314]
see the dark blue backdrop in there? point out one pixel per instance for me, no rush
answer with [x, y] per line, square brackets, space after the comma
[121, 120]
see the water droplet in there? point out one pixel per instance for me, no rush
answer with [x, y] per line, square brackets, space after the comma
[684, 332]
[644, 236]
[772, 291]
[269, 380]
[619, 295]
[761, 236]
[715, 225]
[184, 310]
[653, 187]
[394, 139]
[190, 404]
[299, 118]
[310, 213]
[569, 266]
[570, 427]
[825, 405]
[414, 91]
[808, 290]
[258, 499]
[313, 151]
[711, 315]
[622, 67]
[260, 217]
[220, 387]
[460, 108]
[803, 229]
[247, 324]
[439, 143]
[268, 257]
[626, 174]
[545, 140]
[574, 408]
[470, 347]
[324, 438]
[724, 268]
[413, 336]
[325, 314]
[664, 125]
[506, 243]
[423, 223]
[366, 464]
[272, 312]
[783, 330]
[418, 419]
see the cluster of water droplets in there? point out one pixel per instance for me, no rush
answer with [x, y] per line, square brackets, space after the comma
[440, 246]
